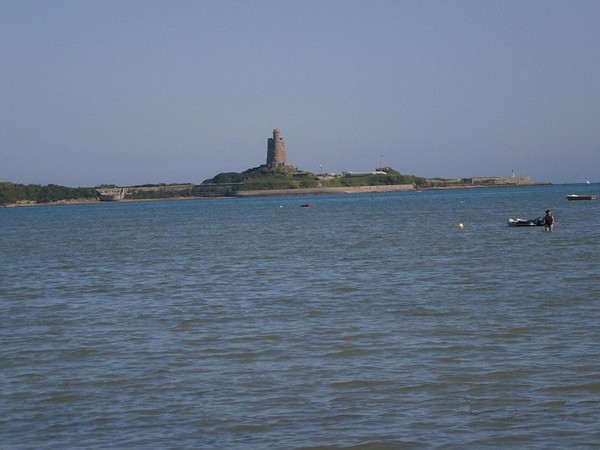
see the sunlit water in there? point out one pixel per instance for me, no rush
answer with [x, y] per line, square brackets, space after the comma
[366, 321]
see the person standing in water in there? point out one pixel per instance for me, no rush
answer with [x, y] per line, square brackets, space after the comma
[549, 221]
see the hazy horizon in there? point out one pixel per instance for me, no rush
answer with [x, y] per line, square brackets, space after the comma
[136, 92]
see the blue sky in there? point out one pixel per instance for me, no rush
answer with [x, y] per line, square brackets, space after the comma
[131, 92]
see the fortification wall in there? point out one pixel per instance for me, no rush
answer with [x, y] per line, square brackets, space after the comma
[502, 180]
[328, 190]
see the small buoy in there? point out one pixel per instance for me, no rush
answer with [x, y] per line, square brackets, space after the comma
[460, 226]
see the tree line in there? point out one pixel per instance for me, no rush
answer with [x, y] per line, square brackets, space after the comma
[34, 193]
[228, 183]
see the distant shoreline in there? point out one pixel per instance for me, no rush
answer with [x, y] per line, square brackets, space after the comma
[274, 193]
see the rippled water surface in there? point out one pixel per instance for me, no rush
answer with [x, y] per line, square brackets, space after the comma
[366, 321]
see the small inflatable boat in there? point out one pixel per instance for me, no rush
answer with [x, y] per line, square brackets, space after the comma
[537, 222]
[581, 197]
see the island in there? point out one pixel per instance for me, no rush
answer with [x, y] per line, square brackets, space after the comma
[276, 177]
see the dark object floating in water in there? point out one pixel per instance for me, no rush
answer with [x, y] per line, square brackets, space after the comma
[581, 197]
[306, 205]
[537, 222]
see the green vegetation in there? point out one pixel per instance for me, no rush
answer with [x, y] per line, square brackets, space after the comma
[390, 177]
[34, 193]
[163, 192]
[264, 178]
[227, 177]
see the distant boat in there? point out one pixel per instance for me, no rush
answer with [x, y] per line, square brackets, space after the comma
[306, 205]
[581, 197]
[587, 181]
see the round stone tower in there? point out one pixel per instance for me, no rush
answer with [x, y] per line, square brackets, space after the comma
[276, 154]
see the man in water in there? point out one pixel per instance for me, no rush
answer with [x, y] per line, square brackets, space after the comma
[549, 221]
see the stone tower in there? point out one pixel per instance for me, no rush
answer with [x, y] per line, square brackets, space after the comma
[276, 154]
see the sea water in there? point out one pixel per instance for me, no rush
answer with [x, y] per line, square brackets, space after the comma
[364, 321]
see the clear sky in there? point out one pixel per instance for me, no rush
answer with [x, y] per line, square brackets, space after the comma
[144, 91]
